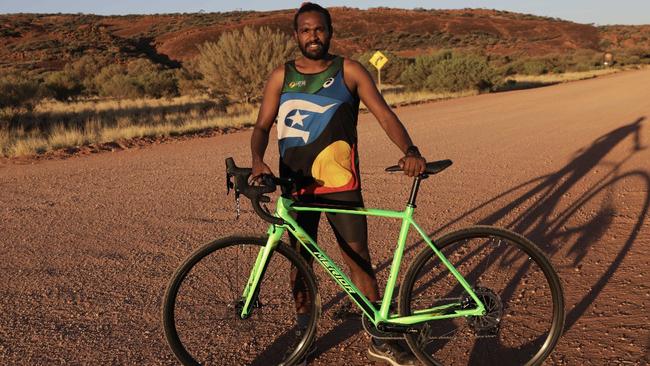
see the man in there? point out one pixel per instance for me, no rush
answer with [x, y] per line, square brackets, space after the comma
[316, 102]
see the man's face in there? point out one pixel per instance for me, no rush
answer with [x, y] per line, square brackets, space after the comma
[313, 35]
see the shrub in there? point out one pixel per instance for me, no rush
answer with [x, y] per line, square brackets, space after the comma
[151, 80]
[415, 75]
[76, 78]
[18, 90]
[534, 67]
[113, 81]
[238, 64]
[84, 71]
[62, 86]
[585, 60]
[139, 78]
[189, 79]
[446, 71]
[579, 60]
[632, 56]
[462, 72]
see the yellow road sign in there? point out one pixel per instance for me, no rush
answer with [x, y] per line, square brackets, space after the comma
[378, 60]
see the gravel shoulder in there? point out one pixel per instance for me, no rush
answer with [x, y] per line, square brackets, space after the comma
[89, 243]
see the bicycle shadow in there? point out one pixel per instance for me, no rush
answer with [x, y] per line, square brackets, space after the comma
[543, 215]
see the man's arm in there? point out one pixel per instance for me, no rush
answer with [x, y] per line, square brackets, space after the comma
[357, 77]
[265, 118]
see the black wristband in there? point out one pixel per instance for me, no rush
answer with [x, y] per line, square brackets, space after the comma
[412, 151]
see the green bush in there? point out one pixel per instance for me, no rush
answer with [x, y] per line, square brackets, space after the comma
[446, 71]
[189, 79]
[632, 56]
[76, 79]
[18, 90]
[415, 75]
[62, 86]
[463, 72]
[84, 71]
[113, 81]
[238, 64]
[534, 67]
[579, 60]
[138, 79]
[151, 80]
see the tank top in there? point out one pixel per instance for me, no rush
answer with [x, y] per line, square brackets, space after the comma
[317, 131]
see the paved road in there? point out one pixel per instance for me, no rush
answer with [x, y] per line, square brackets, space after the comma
[88, 243]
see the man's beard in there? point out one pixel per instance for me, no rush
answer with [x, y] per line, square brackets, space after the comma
[317, 54]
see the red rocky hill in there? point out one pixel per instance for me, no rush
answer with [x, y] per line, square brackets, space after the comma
[47, 42]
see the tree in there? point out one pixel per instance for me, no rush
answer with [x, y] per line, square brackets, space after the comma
[239, 63]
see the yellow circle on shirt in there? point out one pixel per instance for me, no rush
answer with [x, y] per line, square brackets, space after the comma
[332, 166]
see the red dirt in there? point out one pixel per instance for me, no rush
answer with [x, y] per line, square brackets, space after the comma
[89, 243]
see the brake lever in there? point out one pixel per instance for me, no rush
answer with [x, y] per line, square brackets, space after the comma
[231, 185]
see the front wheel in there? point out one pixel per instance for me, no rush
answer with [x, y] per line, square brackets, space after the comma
[202, 307]
[521, 292]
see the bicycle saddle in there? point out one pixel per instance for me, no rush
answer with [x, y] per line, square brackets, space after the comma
[431, 168]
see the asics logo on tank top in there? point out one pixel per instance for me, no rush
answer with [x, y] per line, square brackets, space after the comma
[328, 83]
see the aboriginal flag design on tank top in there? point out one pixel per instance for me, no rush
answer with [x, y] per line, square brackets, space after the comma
[317, 131]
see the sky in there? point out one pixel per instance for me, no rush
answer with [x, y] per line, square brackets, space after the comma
[599, 12]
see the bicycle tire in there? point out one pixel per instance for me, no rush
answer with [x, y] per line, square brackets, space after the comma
[205, 291]
[495, 338]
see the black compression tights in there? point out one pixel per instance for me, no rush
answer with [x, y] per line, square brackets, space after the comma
[351, 233]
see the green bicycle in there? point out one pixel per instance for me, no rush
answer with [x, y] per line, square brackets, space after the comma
[480, 295]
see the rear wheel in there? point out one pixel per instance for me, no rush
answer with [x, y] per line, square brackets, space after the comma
[515, 281]
[203, 301]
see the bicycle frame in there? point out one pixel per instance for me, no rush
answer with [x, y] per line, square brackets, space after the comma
[283, 210]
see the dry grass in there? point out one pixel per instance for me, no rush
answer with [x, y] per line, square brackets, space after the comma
[103, 105]
[401, 98]
[564, 77]
[88, 122]
[54, 125]
[65, 137]
[29, 145]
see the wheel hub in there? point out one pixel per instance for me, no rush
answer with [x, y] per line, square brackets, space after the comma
[239, 306]
[489, 323]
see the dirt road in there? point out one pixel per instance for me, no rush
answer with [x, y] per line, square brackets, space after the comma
[88, 243]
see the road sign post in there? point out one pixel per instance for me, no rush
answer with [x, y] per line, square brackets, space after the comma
[378, 60]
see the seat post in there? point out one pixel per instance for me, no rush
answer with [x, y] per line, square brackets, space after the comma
[414, 190]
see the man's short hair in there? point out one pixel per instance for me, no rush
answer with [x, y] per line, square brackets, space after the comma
[306, 7]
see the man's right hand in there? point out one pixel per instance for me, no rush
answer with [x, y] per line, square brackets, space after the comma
[259, 168]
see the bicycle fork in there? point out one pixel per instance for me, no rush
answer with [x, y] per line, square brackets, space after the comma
[249, 298]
